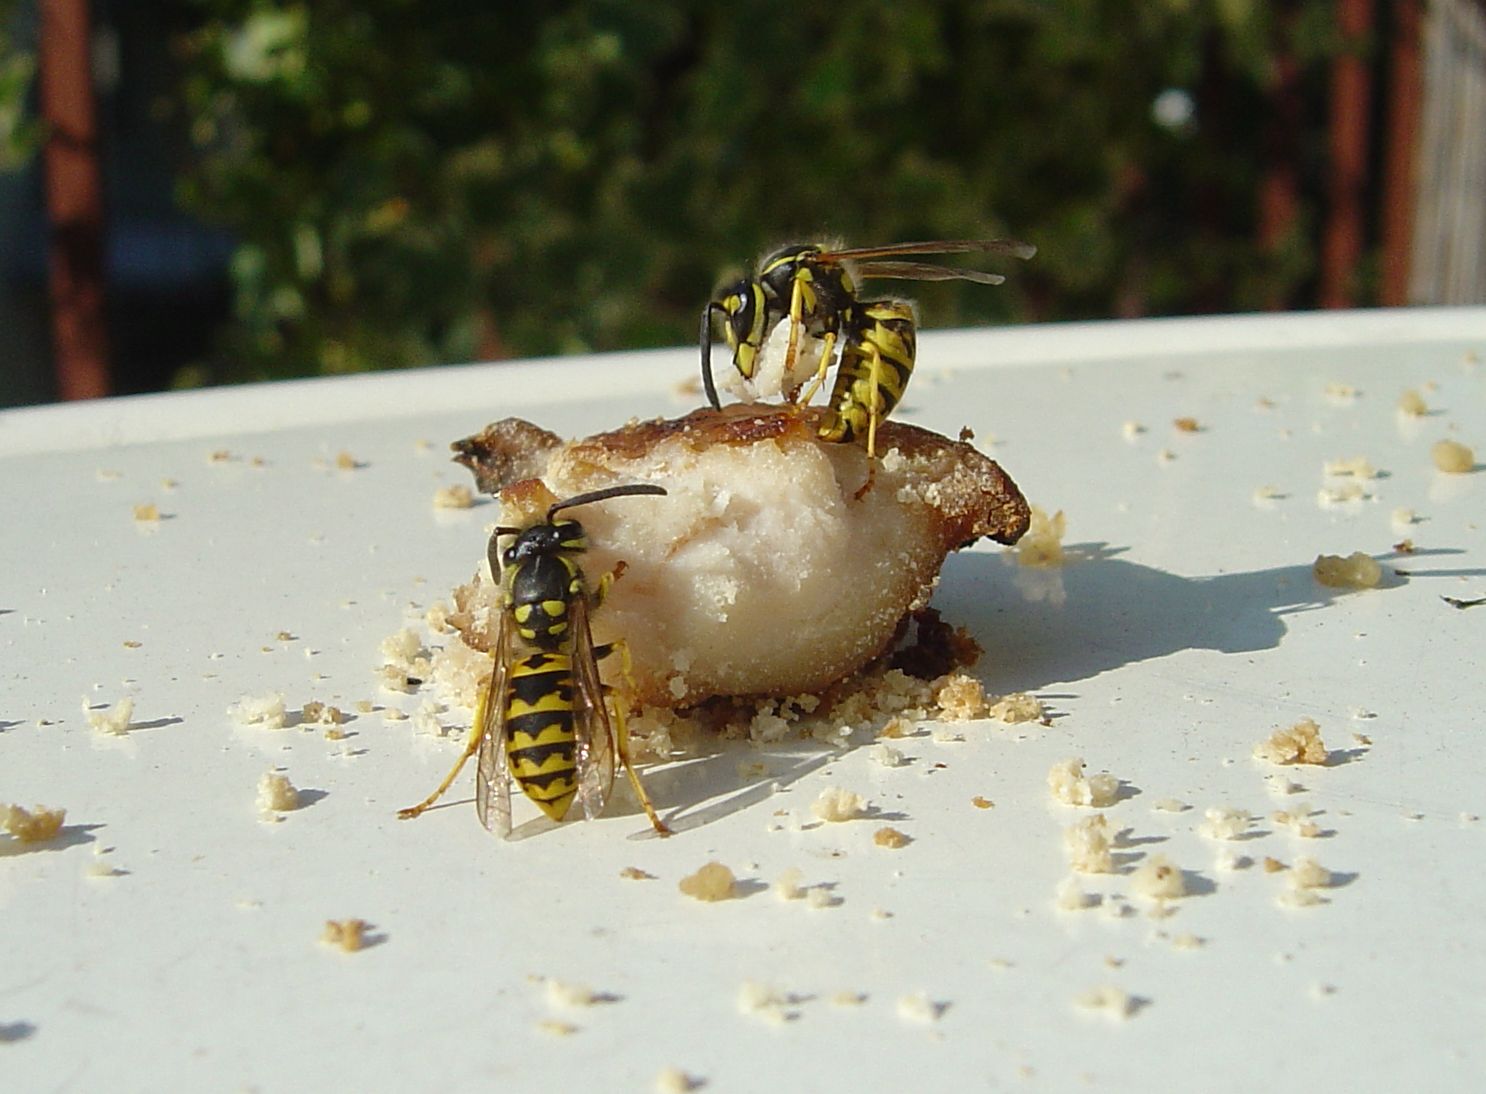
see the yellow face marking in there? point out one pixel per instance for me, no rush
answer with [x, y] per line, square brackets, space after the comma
[522, 613]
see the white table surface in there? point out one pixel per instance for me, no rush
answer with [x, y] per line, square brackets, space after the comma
[1188, 628]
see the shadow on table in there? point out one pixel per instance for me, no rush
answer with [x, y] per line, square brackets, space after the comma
[1043, 626]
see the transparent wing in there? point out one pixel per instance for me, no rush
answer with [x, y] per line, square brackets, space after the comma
[590, 719]
[924, 271]
[1011, 247]
[492, 776]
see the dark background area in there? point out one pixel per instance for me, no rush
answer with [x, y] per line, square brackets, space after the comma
[293, 190]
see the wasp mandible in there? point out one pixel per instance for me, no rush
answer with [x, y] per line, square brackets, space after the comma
[814, 286]
[543, 720]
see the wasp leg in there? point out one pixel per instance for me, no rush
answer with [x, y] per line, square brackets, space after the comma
[605, 583]
[828, 345]
[872, 416]
[872, 403]
[796, 320]
[621, 729]
[471, 746]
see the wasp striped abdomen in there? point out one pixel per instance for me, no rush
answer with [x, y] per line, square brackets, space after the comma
[876, 362]
[541, 734]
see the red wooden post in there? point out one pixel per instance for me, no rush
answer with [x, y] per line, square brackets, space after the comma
[74, 200]
[1351, 90]
[1400, 171]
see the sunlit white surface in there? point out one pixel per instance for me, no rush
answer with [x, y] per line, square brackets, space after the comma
[1185, 628]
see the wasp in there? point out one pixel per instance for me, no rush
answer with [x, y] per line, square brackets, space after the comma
[543, 721]
[814, 286]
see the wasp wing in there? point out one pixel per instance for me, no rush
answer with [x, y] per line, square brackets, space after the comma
[493, 776]
[924, 271]
[590, 718]
[1011, 247]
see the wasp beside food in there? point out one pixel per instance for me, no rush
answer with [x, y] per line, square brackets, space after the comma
[543, 721]
[814, 287]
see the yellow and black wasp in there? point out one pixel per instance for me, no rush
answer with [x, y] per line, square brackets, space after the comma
[543, 720]
[814, 286]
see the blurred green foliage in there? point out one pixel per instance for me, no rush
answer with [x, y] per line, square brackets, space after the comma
[19, 131]
[416, 181]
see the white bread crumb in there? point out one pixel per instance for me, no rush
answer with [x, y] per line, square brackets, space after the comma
[1225, 824]
[113, 720]
[1452, 457]
[35, 825]
[712, 882]
[1297, 744]
[1067, 783]
[835, 805]
[276, 794]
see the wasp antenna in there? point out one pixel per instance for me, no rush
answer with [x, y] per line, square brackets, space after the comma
[623, 491]
[706, 347]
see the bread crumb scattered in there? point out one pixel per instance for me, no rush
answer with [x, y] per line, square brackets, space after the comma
[788, 887]
[113, 720]
[1067, 783]
[1357, 467]
[890, 837]
[1331, 496]
[1130, 430]
[1297, 744]
[1188, 942]
[261, 710]
[147, 514]
[556, 1028]
[982, 803]
[766, 1002]
[35, 825]
[919, 1008]
[1171, 805]
[634, 873]
[1018, 707]
[819, 896]
[276, 794]
[1298, 820]
[1452, 457]
[962, 698]
[1411, 404]
[1158, 879]
[1187, 425]
[1042, 545]
[1089, 845]
[887, 755]
[1228, 860]
[835, 804]
[1356, 571]
[344, 461]
[458, 496]
[321, 714]
[563, 993]
[1225, 824]
[1264, 495]
[1337, 392]
[346, 934]
[1272, 865]
[1306, 875]
[1112, 1002]
[673, 1080]
[712, 882]
[1072, 897]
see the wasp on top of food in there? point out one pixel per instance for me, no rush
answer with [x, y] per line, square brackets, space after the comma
[543, 721]
[814, 287]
